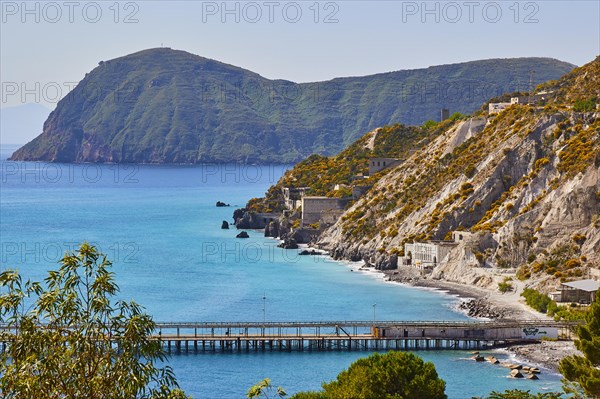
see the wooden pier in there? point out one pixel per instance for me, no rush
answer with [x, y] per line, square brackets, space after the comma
[353, 336]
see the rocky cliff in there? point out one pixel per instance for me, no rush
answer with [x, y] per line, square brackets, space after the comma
[522, 185]
[525, 184]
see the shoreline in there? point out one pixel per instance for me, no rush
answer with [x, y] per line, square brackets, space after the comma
[487, 304]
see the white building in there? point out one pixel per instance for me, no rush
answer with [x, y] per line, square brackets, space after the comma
[536, 98]
[426, 255]
[431, 252]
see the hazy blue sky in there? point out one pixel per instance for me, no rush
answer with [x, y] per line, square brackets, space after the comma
[53, 44]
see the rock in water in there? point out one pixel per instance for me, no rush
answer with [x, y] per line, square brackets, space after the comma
[243, 234]
[239, 213]
[288, 243]
[478, 358]
[225, 224]
[492, 360]
[516, 374]
[532, 377]
[221, 204]
[272, 229]
[311, 252]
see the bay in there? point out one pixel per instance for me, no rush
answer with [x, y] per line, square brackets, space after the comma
[161, 228]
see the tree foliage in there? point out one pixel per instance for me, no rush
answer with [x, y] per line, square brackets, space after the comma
[264, 389]
[518, 394]
[69, 338]
[397, 375]
[582, 373]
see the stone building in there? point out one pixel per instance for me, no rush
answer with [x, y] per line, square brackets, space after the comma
[316, 208]
[534, 99]
[293, 196]
[495, 108]
[379, 164]
[431, 252]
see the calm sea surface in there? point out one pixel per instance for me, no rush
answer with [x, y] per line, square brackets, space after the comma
[160, 226]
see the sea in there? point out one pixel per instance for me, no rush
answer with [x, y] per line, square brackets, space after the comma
[160, 227]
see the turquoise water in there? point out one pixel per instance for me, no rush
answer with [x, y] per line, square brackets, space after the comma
[161, 227]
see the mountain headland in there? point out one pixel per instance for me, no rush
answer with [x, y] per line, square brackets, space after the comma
[167, 106]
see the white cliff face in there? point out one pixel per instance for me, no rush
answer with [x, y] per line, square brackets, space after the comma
[526, 181]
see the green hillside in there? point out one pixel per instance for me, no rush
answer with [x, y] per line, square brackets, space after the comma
[168, 106]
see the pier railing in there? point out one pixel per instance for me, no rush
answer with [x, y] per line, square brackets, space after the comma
[238, 336]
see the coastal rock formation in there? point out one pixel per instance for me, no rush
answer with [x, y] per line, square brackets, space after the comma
[547, 353]
[288, 243]
[167, 106]
[515, 373]
[221, 204]
[238, 213]
[492, 360]
[311, 252]
[225, 224]
[251, 220]
[523, 184]
[243, 234]
[480, 308]
[272, 229]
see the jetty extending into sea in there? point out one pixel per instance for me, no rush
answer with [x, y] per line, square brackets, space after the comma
[355, 335]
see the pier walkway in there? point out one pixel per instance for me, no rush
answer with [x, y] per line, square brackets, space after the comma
[354, 335]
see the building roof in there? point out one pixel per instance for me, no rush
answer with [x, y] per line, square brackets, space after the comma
[584, 285]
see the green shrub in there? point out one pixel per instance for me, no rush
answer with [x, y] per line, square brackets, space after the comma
[470, 170]
[585, 105]
[537, 300]
[505, 287]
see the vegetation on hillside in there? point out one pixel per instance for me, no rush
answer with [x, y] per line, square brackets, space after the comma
[485, 202]
[350, 167]
[167, 106]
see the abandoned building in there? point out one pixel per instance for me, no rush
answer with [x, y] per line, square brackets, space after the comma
[582, 291]
[495, 108]
[314, 209]
[379, 164]
[426, 255]
[293, 196]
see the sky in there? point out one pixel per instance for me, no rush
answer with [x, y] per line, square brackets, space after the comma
[47, 47]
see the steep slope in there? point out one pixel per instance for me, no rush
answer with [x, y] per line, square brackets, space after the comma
[167, 106]
[350, 167]
[527, 186]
